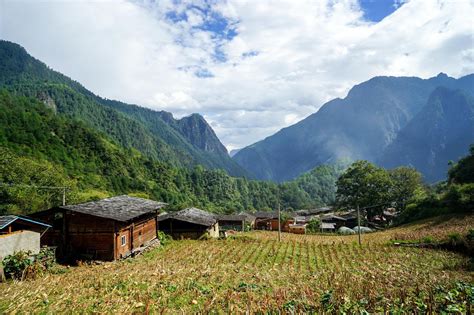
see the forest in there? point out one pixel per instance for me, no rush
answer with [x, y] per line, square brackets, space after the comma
[42, 149]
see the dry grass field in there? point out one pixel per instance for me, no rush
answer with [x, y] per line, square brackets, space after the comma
[253, 272]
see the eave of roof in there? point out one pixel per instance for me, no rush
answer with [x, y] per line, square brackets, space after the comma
[9, 219]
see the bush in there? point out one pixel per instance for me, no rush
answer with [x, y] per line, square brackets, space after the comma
[164, 238]
[313, 226]
[15, 266]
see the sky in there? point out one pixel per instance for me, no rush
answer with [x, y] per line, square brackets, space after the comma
[249, 67]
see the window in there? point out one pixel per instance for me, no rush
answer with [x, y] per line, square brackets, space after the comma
[124, 240]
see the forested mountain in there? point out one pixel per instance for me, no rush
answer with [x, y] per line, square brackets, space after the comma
[41, 148]
[182, 143]
[360, 126]
[440, 132]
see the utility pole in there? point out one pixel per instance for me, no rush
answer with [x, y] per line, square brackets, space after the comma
[358, 222]
[279, 222]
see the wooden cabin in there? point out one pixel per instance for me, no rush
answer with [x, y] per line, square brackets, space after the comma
[20, 233]
[107, 229]
[333, 219]
[269, 221]
[190, 223]
[231, 222]
[297, 228]
[249, 219]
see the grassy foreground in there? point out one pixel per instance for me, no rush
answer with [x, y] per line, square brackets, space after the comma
[254, 272]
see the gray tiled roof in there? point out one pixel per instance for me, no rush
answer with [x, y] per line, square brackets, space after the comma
[191, 215]
[120, 208]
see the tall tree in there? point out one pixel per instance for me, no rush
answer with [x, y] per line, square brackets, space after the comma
[405, 183]
[365, 185]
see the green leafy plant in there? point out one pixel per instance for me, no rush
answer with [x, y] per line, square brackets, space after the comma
[15, 266]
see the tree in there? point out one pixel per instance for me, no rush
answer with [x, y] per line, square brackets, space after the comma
[406, 181]
[365, 185]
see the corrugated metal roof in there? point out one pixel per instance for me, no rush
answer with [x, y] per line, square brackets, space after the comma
[120, 208]
[325, 225]
[6, 220]
[191, 215]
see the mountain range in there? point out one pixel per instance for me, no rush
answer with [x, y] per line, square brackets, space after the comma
[184, 142]
[392, 121]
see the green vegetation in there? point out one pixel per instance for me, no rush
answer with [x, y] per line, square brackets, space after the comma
[154, 134]
[41, 148]
[375, 188]
[454, 196]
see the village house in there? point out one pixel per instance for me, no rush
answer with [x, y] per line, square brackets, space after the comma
[20, 233]
[337, 221]
[249, 219]
[267, 220]
[234, 222]
[190, 223]
[107, 229]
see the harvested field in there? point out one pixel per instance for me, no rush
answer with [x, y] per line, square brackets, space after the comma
[254, 272]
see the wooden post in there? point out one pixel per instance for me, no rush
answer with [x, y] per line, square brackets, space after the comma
[64, 196]
[131, 230]
[2, 273]
[279, 223]
[243, 225]
[358, 222]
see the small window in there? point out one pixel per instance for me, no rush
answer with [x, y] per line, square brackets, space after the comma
[124, 240]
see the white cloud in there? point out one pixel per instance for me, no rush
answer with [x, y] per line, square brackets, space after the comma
[287, 59]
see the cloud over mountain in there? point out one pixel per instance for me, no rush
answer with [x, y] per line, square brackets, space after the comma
[250, 68]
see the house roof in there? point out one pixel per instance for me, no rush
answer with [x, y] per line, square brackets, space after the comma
[332, 217]
[191, 215]
[266, 215]
[231, 217]
[119, 208]
[307, 212]
[6, 220]
[325, 225]
[249, 217]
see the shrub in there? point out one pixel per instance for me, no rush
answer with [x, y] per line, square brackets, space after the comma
[313, 226]
[15, 266]
[164, 238]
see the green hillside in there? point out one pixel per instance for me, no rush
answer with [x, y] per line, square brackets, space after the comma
[129, 125]
[39, 147]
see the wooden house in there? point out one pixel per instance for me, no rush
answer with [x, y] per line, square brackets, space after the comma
[334, 219]
[190, 223]
[231, 222]
[297, 228]
[266, 220]
[328, 227]
[249, 218]
[20, 233]
[107, 229]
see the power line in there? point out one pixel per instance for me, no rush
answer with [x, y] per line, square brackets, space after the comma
[34, 186]
[61, 188]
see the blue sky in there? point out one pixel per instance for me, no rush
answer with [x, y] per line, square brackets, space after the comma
[376, 10]
[250, 67]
